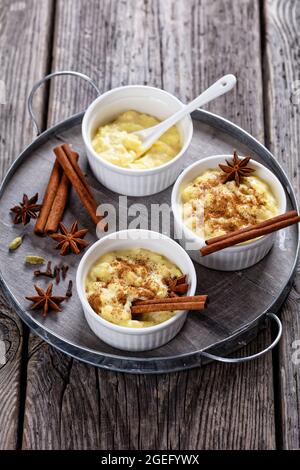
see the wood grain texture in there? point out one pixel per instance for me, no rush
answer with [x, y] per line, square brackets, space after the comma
[24, 32]
[215, 407]
[11, 337]
[206, 40]
[171, 44]
[282, 72]
[65, 394]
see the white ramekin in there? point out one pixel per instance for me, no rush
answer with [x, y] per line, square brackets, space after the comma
[135, 339]
[145, 99]
[232, 258]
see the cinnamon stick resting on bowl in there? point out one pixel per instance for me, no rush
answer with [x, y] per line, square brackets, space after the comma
[195, 302]
[250, 232]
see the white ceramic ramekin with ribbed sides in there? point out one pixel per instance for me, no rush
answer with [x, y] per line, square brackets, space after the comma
[235, 257]
[144, 99]
[135, 339]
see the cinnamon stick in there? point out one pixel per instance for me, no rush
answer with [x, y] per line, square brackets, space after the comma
[49, 196]
[265, 223]
[163, 307]
[76, 181]
[243, 236]
[79, 173]
[60, 201]
[162, 300]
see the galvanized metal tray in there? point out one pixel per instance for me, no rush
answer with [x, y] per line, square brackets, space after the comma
[240, 302]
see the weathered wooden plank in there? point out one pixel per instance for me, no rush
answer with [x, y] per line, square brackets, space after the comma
[24, 34]
[64, 397]
[181, 46]
[214, 38]
[216, 407]
[282, 70]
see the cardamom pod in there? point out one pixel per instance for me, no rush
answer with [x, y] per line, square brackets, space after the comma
[15, 243]
[32, 259]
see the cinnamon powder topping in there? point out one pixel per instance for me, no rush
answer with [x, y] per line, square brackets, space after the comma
[212, 208]
[120, 278]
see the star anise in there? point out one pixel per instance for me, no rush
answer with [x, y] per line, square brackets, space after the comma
[45, 300]
[177, 286]
[70, 241]
[235, 169]
[26, 210]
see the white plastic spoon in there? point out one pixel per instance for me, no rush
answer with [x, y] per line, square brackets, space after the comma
[151, 134]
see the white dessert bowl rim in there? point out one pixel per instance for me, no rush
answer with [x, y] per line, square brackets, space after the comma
[124, 329]
[175, 202]
[132, 171]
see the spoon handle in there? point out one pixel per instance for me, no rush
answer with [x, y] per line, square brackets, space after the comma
[220, 87]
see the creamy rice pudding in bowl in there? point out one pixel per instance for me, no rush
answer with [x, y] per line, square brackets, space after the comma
[206, 204]
[122, 268]
[113, 150]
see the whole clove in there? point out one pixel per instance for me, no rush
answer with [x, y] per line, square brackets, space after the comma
[56, 274]
[64, 269]
[69, 292]
[47, 273]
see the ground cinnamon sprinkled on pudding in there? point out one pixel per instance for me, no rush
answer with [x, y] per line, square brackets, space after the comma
[119, 278]
[212, 208]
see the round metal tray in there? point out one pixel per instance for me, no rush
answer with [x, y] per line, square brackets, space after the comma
[239, 301]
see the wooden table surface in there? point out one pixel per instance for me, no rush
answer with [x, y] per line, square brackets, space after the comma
[49, 400]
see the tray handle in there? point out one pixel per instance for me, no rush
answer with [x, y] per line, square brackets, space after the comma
[239, 360]
[45, 79]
